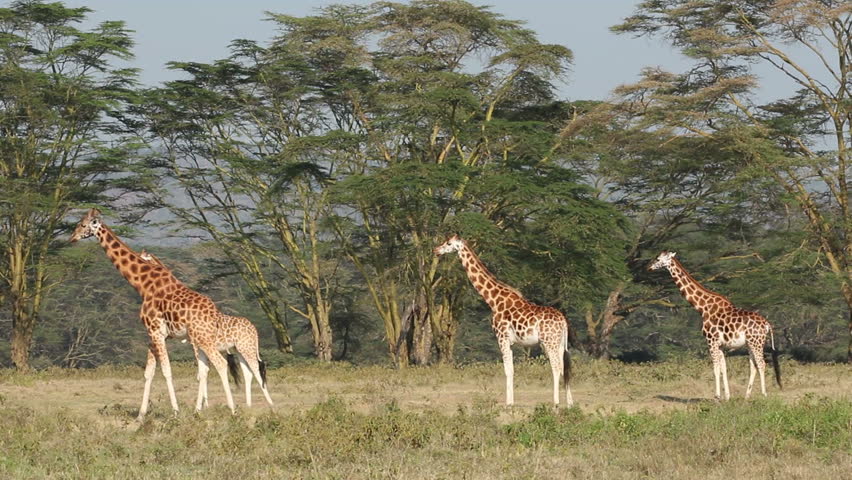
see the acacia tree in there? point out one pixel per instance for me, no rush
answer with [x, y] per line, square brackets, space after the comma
[798, 143]
[393, 106]
[453, 116]
[671, 187]
[59, 93]
[251, 161]
[254, 140]
[456, 122]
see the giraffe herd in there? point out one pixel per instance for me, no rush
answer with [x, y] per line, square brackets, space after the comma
[170, 309]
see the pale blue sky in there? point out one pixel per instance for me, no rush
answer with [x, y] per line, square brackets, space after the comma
[200, 30]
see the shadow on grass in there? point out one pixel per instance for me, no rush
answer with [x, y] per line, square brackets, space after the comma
[669, 398]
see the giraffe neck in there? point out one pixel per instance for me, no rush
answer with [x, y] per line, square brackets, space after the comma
[701, 298]
[129, 263]
[491, 289]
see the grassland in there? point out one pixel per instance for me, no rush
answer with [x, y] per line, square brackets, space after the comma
[341, 421]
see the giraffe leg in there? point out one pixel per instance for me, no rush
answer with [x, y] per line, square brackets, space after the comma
[251, 366]
[508, 369]
[255, 366]
[760, 364]
[717, 358]
[556, 366]
[724, 368]
[247, 376]
[203, 368]
[752, 370]
[158, 345]
[569, 399]
[221, 366]
[150, 369]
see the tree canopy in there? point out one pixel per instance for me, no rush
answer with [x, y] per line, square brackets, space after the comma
[309, 177]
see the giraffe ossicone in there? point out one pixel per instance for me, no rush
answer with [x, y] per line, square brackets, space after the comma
[517, 320]
[724, 327]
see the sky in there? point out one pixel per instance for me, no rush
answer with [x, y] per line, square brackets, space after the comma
[200, 30]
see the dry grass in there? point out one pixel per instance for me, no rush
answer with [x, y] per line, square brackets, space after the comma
[340, 421]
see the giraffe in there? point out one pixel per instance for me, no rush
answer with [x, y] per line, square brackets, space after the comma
[514, 319]
[169, 309]
[236, 332]
[724, 326]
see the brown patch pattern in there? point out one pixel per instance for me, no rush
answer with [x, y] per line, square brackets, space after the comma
[515, 319]
[724, 326]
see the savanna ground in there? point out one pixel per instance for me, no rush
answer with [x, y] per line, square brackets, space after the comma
[341, 421]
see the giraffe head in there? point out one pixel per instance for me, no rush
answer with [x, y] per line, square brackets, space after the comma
[88, 225]
[453, 244]
[664, 260]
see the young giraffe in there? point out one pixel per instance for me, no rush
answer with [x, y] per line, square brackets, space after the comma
[724, 326]
[236, 332]
[514, 319]
[169, 309]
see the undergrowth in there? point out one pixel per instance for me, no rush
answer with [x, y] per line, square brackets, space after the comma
[331, 440]
[342, 421]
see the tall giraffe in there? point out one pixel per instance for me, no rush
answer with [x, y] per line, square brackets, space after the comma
[234, 332]
[724, 326]
[169, 309]
[514, 319]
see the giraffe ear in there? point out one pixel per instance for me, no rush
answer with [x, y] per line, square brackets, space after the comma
[94, 213]
[674, 254]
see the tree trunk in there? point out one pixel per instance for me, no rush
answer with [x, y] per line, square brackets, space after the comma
[318, 317]
[847, 295]
[322, 344]
[849, 345]
[415, 333]
[277, 320]
[22, 335]
[445, 324]
[23, 318]
[282, 338]
[421, 344]
[600, 340]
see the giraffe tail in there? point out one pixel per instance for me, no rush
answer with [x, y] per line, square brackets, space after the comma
[234, 367]
[566, 366]
[566, 357]
[775, 365]
[261, 365]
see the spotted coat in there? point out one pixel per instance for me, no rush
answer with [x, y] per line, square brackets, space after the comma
[724, 326]
[515, 319]
[169, 309]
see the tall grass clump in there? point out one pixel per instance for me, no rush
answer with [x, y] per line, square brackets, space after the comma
[759, 424]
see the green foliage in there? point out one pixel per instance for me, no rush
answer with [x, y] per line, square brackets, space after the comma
[61, 103]
[325, 164]
[795, 146]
